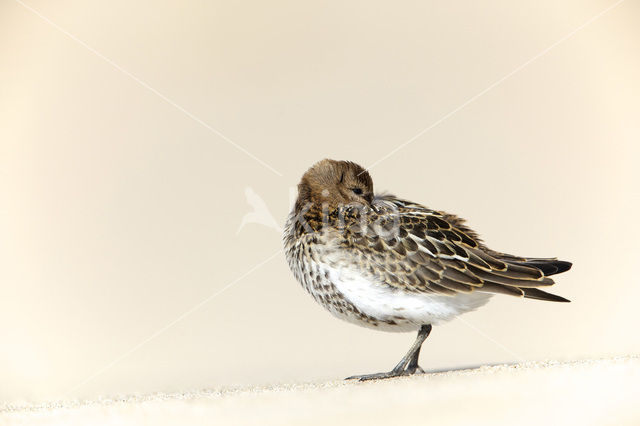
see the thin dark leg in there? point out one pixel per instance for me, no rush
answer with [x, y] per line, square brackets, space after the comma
[413, 366]
[408, 364]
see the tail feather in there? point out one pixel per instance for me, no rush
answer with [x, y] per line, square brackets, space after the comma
[534, 293]
[513, 279]
[548, 266]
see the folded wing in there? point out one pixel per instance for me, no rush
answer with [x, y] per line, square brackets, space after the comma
[416, 249]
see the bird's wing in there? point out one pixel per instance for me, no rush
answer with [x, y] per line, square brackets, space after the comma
[413, 248]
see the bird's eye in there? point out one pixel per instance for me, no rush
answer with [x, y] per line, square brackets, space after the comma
[357, 191]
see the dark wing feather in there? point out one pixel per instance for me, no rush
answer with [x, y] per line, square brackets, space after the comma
[433, 252]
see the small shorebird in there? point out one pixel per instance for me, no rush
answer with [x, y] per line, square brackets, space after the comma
[390, 264]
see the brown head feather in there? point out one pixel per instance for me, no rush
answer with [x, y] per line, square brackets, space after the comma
[335, 183]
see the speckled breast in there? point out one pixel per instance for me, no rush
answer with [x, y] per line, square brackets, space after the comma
[310, 272]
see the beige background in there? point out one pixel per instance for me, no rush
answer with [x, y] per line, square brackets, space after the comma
[119, 212]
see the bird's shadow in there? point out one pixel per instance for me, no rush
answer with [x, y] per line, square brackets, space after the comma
[469, 367]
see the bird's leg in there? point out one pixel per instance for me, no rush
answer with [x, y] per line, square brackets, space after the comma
[413, 366]
[410, 360]
[408, 364]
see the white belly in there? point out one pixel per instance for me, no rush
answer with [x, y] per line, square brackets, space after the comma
[407, 309]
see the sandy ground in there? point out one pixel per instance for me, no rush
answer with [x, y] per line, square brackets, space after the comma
[588, 392]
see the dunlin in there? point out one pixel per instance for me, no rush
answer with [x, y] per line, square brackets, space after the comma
[390, 264]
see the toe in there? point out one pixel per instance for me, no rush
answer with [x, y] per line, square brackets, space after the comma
[377, 376]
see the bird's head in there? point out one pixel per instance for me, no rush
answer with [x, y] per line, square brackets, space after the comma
[335, 183]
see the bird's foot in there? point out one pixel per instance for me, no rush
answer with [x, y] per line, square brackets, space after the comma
[414, 370]
[377, 376]
[389, 374]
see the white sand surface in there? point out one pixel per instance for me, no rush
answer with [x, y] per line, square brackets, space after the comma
[586, 392]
